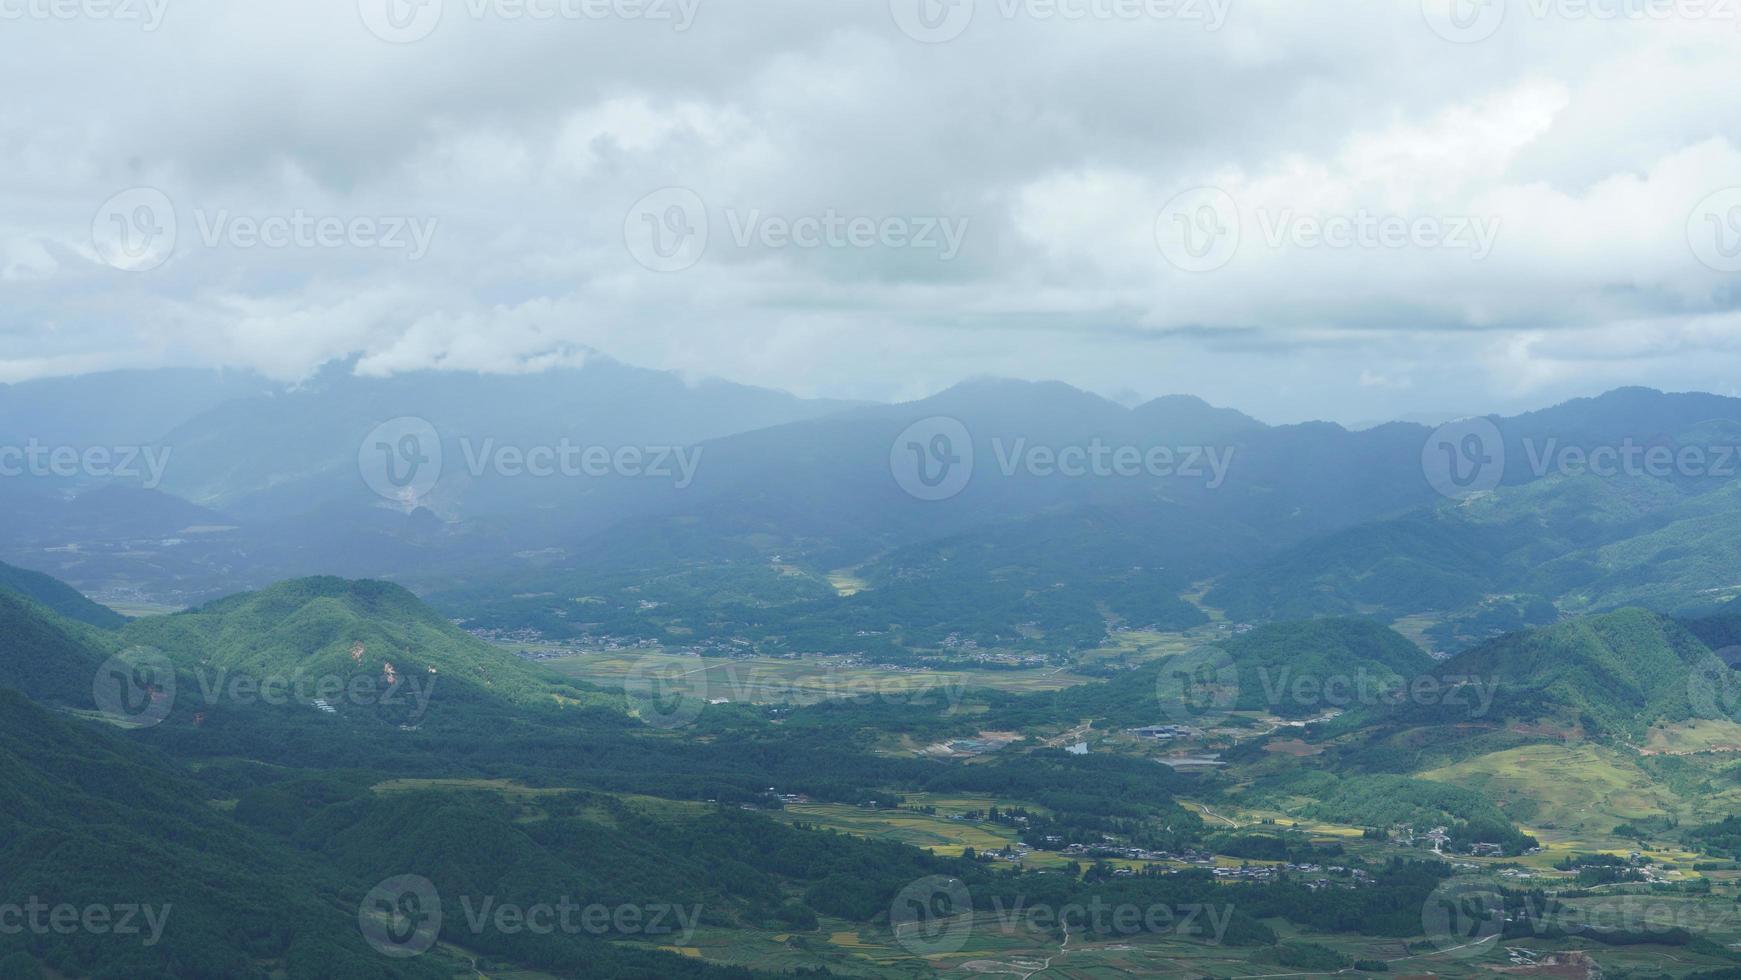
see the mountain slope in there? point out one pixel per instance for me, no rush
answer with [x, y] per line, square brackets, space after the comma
[1302, 669]
[91, 820]
[58, 597]
[46, 657]
[1614, 674]
[334, 628]
[274, 456]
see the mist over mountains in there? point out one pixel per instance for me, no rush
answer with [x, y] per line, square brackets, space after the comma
[1069, 514]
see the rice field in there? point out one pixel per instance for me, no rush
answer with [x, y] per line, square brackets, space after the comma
[770, 680]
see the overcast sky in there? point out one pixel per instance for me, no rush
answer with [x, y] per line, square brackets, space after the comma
[1340, 210]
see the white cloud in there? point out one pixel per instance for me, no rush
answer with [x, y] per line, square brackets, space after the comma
[1588, 143]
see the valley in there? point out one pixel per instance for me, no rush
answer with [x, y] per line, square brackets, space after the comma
[1078, 739]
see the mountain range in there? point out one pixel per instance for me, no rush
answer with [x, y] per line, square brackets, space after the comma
[786, 519]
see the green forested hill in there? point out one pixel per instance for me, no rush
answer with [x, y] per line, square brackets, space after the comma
[1452, 557]
[1272, 660]
[333, 627]
[58, 596]
[47, 657]
[1613, 674]
[88, 819]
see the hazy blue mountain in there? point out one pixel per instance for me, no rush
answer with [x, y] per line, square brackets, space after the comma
[1287, 522]
[116, 408]
[275, 455]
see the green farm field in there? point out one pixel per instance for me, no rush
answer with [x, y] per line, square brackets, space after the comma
[768, 680]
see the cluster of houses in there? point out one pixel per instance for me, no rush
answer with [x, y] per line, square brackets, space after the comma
[1166, 733]
[1439, 838]
[1344, 877]
[1130, 853]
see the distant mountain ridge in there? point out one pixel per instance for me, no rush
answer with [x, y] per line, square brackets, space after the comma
[791, 497]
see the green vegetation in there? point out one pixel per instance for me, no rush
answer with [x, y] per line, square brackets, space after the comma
[1615, 674]
[792, 826]
[89, 819]
[47, 657]
[58, 597]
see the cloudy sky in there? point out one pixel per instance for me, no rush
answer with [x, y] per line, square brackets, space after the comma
[1345, 210]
